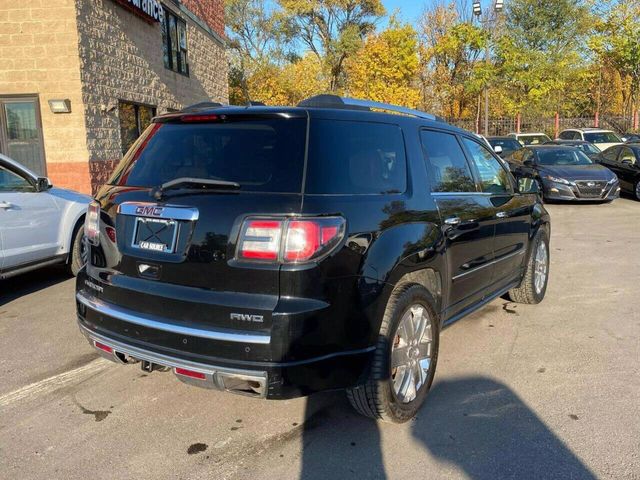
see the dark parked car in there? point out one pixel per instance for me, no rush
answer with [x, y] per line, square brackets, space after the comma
[631, 137]
[565, 173]
[504, 146]
[277, 252]
[624, 161]
[589, 149]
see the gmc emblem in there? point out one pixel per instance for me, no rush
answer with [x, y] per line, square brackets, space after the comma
[245, 317]
[149, 211]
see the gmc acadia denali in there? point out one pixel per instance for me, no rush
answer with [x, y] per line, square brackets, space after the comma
[278, 252]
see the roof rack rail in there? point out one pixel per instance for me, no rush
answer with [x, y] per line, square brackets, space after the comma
[254, 103]
[335, 101]
[201, 105]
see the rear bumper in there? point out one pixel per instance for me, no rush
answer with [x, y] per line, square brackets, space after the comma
[272, 380]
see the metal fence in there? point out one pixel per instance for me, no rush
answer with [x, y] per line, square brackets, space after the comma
[549, 125]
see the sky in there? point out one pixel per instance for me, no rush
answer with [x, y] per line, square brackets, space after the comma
[410, 10]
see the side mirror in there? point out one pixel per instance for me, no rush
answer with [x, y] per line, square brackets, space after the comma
[528, 185]
[498, 149]
[624, 139]
[43, 184]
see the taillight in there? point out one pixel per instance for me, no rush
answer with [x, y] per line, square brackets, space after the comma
[260, 239]
[290, 240]
[92, 223]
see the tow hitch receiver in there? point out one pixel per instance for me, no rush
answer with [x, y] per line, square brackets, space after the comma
[151, 367]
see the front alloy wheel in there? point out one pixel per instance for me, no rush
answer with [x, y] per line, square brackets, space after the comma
[533, 287]
[541, 267]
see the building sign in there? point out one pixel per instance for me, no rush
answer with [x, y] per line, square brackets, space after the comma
[150, 10]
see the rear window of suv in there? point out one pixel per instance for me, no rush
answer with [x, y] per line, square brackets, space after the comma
[262, 155]
[355, 158]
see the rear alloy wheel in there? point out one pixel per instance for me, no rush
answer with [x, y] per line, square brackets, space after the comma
[79, 252]
[637, 190]
[405, 359]
[536, 277]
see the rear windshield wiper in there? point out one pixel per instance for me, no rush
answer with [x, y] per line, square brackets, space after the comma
[195, 184]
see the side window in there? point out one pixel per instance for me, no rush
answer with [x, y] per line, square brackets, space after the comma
[627, 156]
[446, 162]
[527, 155]
[12, 182]
[355, 158]
[611, 154]
[566, 135]
[576, 136]
[493, 177]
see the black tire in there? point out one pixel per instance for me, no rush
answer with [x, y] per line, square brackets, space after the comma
[636, 190]
[76, 262]
[376, 398]
[527, 292]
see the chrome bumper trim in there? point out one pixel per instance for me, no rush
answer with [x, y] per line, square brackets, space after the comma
[214, 376]
[167, 325]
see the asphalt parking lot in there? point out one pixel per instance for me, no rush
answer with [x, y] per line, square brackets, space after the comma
[547, 391]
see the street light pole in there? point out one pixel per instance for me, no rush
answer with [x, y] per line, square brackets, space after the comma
[488, 24]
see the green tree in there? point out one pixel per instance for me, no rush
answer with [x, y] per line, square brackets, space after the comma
[331, 29]
[541, 64]
[257, 38]
[617, 46]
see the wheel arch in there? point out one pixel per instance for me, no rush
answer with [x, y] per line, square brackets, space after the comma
[407, 255]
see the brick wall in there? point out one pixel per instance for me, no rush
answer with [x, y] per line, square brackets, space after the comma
[39, 55]
[121, 58]
[211, 11]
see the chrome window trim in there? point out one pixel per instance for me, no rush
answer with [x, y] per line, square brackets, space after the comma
[493, 262]
[166, 325]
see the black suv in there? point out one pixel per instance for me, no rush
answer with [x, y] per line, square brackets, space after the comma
[277, 252]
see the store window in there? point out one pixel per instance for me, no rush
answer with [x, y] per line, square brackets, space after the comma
[21, 132]
[134, 119]
[174, 43]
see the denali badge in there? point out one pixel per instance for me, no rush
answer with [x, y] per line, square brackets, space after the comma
[93, 286]
[242, 317]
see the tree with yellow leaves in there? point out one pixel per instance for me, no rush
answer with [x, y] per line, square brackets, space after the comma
[386, 67]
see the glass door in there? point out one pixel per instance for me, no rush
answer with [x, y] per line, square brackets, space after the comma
[21, 132]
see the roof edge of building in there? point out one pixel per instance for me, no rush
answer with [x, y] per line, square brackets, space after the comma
[202, 24]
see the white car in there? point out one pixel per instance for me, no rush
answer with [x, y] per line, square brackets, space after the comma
[527, 139]
[602, 139]
[39, 225]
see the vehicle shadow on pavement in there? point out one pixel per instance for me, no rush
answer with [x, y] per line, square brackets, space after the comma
[484, 428]
[476, 424]
[16, 287]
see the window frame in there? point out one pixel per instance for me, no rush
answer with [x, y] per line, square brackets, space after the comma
[136, 105]
[429, 167]
[476, 173]
[4, 134]
[167, 43]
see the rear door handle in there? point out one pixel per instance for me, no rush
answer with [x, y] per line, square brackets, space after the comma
[6, 205]
[502, 214]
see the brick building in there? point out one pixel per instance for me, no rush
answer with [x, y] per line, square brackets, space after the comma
[80, 79]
